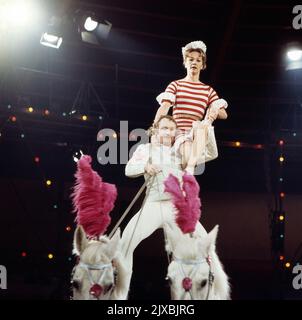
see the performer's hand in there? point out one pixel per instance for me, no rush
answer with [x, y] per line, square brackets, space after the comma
[217, 110]
[212, 114]
[190, 169]
[222, 114]
[152, 169]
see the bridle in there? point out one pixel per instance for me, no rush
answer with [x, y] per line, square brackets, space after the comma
[187, 280]
[96, 290]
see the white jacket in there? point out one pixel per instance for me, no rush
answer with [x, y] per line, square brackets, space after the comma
[169, 161]
[160, 155]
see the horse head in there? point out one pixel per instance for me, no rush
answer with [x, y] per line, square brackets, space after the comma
[195, 271]
[95, 276]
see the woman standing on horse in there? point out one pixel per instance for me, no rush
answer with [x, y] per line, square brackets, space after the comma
[191, 99]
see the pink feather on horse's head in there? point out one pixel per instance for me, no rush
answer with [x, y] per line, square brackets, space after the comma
[186, 201]
[92, 199]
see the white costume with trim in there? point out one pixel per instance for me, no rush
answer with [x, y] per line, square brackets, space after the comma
[158, 209]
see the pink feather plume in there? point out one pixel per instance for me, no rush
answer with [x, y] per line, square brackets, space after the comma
[186, 201]
[92, 199]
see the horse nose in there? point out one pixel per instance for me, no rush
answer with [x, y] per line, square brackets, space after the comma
[187, 283]
[96, 290]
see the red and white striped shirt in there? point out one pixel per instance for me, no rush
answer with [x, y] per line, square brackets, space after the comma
[191, 98]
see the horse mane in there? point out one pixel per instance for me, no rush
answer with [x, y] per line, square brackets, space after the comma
[121, 282]
[221, 283]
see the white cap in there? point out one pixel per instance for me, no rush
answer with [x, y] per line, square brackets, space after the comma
[194, 45]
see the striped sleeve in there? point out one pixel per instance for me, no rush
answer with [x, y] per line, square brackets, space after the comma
[213, 96]
[172, 87]
[169, 94]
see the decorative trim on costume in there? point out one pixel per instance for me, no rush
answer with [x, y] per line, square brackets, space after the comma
[219, 104]
[166, 96]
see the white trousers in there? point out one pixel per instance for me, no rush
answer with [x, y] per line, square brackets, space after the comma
[154, 215]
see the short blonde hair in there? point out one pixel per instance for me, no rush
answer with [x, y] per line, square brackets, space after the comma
[151, 130]
[156, 124]
[203, 57]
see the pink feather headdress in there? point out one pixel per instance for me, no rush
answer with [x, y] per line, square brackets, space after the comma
[92, 199]
[186, 201]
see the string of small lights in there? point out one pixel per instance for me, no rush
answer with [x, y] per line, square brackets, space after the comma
[48, 182]
[278, 214]
[278, 219]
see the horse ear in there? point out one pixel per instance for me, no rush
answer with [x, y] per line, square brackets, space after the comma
[80, 241]
[172, 236]
[114, 244]
[211, 239]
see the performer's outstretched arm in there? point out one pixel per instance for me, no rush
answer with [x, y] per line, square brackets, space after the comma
[162, 110]
[139, 163]
[222, 114]
[136, 165]
[217, 110]
[166, 99]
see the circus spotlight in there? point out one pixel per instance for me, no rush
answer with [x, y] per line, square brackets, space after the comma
[51, 40]
[90, 24]
[52, 37]
[294, 56]
[18, 13]
[92, 28]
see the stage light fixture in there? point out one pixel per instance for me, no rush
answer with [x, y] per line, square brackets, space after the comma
[294, 56]
[90, 24]
[52, 37]
[92, 28]
[51, 40]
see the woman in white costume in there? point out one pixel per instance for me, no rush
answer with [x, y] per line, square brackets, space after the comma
[156, 161]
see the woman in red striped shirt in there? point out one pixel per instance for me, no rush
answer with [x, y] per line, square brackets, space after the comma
[190, 99]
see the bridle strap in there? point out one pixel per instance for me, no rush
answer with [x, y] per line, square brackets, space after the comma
[140, 212]
[210, 280]
[162, 218]
[140, 191]
[94, 266]
[196, 263]
[190, 275]
[88, 267]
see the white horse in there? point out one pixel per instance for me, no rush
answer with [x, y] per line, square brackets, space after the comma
[99, 273]
[195, 272]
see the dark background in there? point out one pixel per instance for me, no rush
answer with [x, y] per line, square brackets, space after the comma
[119, 80]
